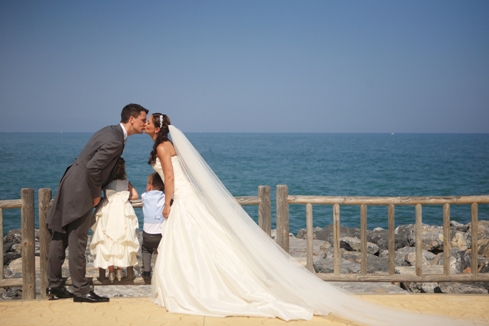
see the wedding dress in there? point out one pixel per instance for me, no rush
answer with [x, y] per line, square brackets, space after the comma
[114, 240]
[214, 260]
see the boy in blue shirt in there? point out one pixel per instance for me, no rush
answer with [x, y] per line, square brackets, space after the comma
[153, 202]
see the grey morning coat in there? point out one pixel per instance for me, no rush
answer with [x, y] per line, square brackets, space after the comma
[85, 178]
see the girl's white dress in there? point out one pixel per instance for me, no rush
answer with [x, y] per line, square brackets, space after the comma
[214, 260]
[114, 240]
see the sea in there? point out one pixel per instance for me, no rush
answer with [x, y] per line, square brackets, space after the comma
[316, 164]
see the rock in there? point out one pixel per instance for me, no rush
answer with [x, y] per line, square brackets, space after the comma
[384, 253]
[16, 247]
[454, 225]
[13, 236]
[462, 288]
[417, 287]
[461, 240]
[354, 244]
[400, 256]
[454, 259]
[426, 260]
[326, 234]
[327, 266]
[380, 237]
[432, 238]
[482, 230]
[483, 247]
[298, 249]
[302, 234]
[402, 234]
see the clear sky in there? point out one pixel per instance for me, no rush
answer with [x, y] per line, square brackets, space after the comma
[247, 66]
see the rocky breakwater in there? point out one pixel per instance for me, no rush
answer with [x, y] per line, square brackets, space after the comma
[405, 254]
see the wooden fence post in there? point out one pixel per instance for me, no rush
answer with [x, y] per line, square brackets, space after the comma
[282, 219]
[418, 227]
[44, 196]
[391, 238]
[446, 239]
[310, 236]
[264, 209]
[474, 225]
[336, 239]
[28, 242]
[363, 238]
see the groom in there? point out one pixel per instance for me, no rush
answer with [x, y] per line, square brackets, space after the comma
[78, 192]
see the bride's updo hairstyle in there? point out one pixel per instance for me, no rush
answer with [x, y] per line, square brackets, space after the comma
[161, 121]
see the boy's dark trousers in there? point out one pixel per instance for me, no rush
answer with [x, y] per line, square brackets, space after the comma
[150, 243]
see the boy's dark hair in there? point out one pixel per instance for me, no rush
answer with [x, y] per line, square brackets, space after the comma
[119, 171]
[156, 181]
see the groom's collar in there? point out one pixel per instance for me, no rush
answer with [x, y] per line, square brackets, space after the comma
[124, 131]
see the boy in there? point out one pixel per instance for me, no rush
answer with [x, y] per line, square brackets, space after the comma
[153, 202]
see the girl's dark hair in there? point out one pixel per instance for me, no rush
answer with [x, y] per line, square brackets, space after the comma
[164, 121]
[156, 182]
[119, 171]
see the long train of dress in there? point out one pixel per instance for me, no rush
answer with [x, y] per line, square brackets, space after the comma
[214, 260]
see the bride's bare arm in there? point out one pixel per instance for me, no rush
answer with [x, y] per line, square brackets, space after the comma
[165, 151]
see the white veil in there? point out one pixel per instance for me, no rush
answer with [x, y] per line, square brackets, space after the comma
[281, 273]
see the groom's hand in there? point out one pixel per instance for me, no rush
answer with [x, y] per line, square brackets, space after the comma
[96, 201]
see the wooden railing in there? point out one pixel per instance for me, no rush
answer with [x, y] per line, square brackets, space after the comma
[283, 200]
[28, 280]
[282, 220]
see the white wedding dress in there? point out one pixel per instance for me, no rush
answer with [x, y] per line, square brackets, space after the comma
[214, 260]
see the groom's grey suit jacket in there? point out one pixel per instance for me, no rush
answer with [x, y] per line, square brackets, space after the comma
[86, 177]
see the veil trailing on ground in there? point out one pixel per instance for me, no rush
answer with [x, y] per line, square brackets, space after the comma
[280, 273]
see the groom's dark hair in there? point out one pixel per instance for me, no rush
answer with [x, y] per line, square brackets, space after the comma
[131, 110]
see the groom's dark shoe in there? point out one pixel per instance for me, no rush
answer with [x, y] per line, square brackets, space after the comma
[59, 292]
[91, 297]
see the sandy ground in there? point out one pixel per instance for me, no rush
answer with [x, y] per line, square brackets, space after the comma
[141, 311]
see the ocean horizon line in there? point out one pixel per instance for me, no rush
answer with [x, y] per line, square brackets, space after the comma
[268, 132]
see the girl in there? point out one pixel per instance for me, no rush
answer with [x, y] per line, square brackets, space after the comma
[114, 241]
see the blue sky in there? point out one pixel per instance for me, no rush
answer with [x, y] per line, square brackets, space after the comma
[247, 66]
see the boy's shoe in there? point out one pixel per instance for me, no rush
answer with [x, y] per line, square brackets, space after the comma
[146, 275]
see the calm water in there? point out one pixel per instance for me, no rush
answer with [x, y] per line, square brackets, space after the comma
[310, 164]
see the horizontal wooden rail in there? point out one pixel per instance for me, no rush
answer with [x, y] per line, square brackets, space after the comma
[384, 201]
[12, 203]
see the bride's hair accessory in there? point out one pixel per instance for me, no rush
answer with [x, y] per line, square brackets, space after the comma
[161, 120]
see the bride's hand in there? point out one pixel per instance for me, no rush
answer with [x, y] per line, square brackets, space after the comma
[166, 211]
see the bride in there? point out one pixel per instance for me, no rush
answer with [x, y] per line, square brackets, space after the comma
[215, 260]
